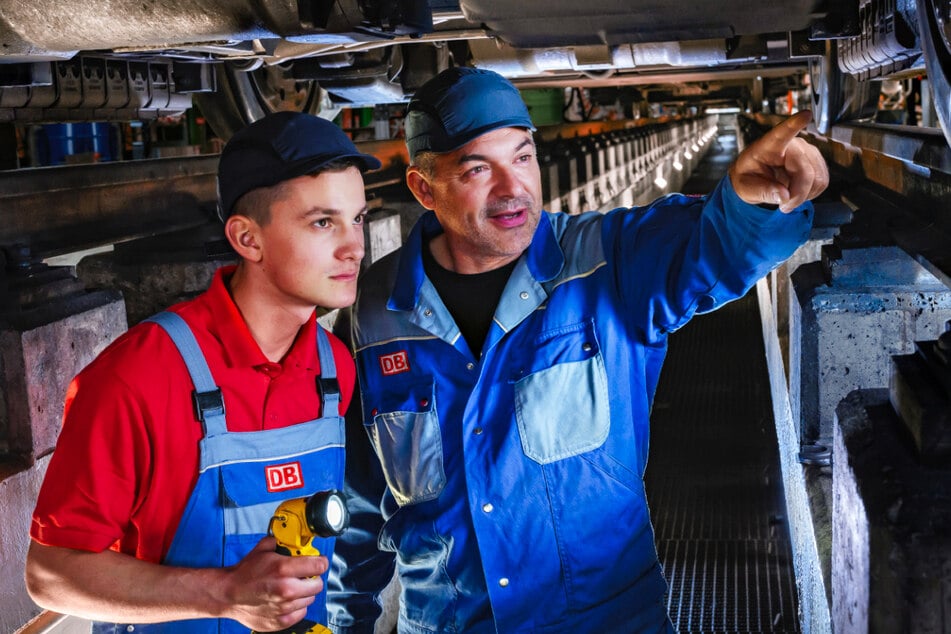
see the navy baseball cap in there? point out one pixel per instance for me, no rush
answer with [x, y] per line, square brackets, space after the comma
[279, 147]
[458, 105]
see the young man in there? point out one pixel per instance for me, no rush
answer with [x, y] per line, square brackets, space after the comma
[507, 360]
[172, 459]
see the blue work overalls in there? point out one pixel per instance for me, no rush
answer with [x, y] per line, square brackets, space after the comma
[243, 476]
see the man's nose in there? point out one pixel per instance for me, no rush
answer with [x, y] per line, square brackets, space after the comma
[507, 183]
[352, 247]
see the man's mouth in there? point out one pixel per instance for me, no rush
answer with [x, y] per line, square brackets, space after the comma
[508, 219]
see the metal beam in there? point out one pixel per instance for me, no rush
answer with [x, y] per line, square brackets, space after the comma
[56, 210]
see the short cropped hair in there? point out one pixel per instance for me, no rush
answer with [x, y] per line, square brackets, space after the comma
[256, 204]
[425, 161]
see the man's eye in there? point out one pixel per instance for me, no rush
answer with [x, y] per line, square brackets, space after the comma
[478, 169]
[359, 220]
[322, 222]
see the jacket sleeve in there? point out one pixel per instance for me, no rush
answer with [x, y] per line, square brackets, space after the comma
[684, 255]
[360, 571]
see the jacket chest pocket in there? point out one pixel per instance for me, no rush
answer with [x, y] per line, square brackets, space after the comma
[563, 409]
[405, 434]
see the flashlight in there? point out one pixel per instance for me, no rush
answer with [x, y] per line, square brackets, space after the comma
[294, 525]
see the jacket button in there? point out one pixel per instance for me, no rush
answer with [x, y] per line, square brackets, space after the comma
[374, 412]
[487, 507]
[470, 366]
[504, 582]
[423, 402]
[477, 431]
[586, 347]
[523, 294]
[428, 312]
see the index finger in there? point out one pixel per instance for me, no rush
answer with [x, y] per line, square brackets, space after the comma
[779, 137]
[307, 566]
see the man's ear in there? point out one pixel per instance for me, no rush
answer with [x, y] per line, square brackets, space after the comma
[242, 233]
[419, 185]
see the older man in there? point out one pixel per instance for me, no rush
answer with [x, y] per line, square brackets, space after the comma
[507, 359]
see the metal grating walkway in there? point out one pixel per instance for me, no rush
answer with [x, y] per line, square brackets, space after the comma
[713, 480]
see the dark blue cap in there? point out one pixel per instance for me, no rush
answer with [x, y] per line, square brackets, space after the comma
[279, 147]
[458, 105]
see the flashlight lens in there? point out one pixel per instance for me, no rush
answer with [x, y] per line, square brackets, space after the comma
[327, 514]
[335, 513]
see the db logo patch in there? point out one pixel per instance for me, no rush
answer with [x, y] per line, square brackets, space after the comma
[394, 363]
[281, 477]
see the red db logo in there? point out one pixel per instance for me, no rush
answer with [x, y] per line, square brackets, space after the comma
[394, 363]
[281, 477]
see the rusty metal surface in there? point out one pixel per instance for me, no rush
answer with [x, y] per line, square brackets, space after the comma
[547, 23]
[54, 210]
[49, 211]
[61, 209]
[898, 179]
[28, 27]
[914, 163]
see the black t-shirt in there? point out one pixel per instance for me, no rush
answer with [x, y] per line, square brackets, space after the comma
[471, 299]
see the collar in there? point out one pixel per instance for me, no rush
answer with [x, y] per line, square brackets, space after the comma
[224, 322]
[543, 258]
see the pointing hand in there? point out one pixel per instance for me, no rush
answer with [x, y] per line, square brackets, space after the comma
[780, 168]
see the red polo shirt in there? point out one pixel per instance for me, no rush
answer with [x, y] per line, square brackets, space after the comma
[127, 458]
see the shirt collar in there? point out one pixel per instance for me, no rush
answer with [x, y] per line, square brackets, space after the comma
[543, 257]
[225, 323]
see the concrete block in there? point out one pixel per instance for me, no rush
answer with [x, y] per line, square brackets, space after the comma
[36, 366]
[827, 219]
[148, 285]
[847, 321]
[18, 493]
[874, 266]
[891, 527]
[382, 234]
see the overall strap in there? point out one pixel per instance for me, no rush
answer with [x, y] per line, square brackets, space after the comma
[209, 405]
[327, 386]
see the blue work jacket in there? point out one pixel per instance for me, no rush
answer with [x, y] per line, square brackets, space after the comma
[507, 486]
